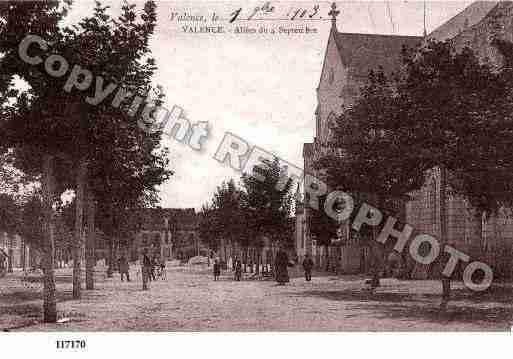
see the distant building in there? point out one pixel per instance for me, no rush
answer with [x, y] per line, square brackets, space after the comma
[348, 60]
[18, 254]
[171, 233]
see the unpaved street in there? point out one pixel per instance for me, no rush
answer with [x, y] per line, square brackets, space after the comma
[190, 300]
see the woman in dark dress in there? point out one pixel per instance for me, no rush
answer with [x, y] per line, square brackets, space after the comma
[281, 263]
[217, 269]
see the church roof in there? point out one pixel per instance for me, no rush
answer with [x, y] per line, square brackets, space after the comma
[365, 52]
[496, 24]
[362, 53]
[470, 16]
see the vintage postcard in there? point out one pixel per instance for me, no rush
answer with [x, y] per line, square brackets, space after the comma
[255, 166]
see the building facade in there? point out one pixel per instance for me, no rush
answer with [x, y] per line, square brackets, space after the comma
[169, 233]
[347, 63]
[16, 254]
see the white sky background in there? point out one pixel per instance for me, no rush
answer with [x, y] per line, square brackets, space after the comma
[260, 87]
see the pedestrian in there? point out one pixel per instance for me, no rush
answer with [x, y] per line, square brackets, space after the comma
[307, 266]
[154, 265]
[281, 264]
[3, 266]
[238, 269]
[163, 269]
[146, 269]
[217, 269]
[124, 268]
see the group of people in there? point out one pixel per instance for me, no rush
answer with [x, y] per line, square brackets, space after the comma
[237, 267]
[151, 268]
[281, 262]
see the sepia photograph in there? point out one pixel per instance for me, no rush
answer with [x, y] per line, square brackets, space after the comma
[300, 167]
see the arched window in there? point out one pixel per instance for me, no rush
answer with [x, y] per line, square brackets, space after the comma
[318, 120]
[317, 125]
[331, 76]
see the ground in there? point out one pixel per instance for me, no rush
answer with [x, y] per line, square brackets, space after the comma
[189, 300]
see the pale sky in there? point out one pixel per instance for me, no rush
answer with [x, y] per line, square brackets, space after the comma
[258, 86]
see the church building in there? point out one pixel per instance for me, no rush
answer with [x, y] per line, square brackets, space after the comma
[349, 58]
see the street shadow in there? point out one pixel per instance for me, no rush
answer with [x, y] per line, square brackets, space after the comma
[496, 294]
[19, 316]
[24, 308]
[20, 296]
[426, 307]
[59, 279]
[500, 317]
[358, 295]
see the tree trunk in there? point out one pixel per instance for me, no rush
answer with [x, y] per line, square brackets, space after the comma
[375, 255]
[49, 301]
[232, 254]
[250, 260]
[477, 236]
[327, 257]
[79, 229]
[245, 254]
[10, 253]
[446, 281]
[23, 256]
[110, 268]
[375, 252]
[257, 262]
[115, 254]
[90, 241]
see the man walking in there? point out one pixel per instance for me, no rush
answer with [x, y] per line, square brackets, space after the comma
[281, 264]
[124, 268]
[154, 265]
[145, 268]
[217, 269]
[238, 269]
[307, 266]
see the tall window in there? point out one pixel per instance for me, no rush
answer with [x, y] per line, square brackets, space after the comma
[331, 76]
[318, 125]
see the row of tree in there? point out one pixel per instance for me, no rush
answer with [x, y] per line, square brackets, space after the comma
[23, 215]
[243, 215]
[98, 152]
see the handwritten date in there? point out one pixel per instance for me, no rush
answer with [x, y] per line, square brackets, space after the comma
[265, 11]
